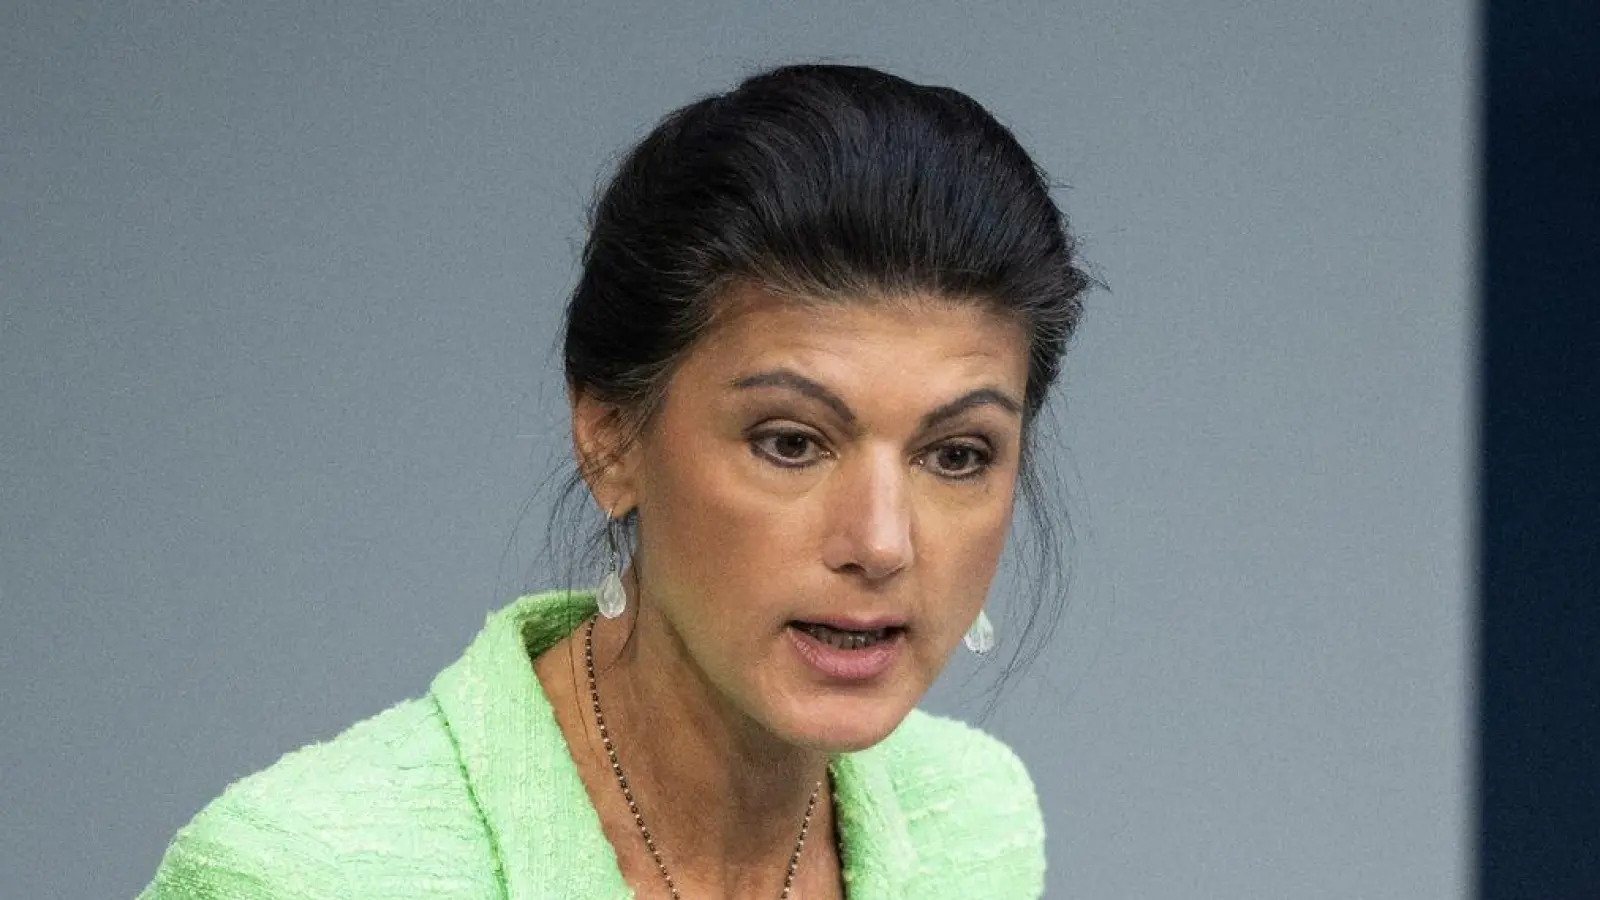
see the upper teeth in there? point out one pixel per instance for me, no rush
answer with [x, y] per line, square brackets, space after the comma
[844, 640]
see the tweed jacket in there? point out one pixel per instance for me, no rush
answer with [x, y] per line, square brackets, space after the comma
[470, 793]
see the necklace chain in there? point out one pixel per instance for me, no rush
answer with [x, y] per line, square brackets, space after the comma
[633, 807]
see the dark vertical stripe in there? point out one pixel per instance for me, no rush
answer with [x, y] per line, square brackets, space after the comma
[1539, 749]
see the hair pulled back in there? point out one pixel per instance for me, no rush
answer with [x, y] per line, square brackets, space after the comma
[822, 183]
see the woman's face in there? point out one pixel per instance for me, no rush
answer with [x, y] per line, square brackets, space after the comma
[823, 498]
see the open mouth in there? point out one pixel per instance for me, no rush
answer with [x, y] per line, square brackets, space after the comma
[842, 639]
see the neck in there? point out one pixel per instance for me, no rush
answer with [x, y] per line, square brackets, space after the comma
[722, 796]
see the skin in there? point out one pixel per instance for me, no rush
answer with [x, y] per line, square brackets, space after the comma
[792, 472]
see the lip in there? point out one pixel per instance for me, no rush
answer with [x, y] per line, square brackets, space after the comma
[851, 666]
[854, 623]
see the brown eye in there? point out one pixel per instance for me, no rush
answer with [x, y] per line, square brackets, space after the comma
[960, 460]
[792, 449]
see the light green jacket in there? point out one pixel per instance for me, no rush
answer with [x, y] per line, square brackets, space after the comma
[469, 792]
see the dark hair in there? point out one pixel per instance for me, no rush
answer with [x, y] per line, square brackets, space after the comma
[833, 184]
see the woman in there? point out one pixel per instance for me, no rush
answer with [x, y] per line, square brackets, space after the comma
[816, 319]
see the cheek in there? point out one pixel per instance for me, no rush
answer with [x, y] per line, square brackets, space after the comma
[961, 552]
[714, 538]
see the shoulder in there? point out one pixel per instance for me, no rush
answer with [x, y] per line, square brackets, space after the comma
[970, 807]
[381, 806]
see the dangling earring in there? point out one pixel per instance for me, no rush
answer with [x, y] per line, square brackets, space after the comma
[611, 598]
[980, 637]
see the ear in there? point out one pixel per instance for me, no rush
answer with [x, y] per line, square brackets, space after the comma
[607, 462]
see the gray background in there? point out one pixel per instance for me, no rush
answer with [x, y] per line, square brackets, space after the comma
[278, 285]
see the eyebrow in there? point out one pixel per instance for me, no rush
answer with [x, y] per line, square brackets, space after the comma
[794, 381]
[972, 400]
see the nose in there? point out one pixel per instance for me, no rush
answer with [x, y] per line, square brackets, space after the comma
[870, 527]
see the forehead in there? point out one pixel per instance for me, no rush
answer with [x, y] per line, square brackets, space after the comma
[926, 337]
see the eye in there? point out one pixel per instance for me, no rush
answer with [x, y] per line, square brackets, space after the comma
[958, 459]
[788, 448]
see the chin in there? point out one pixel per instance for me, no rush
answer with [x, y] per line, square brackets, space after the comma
[843, 724]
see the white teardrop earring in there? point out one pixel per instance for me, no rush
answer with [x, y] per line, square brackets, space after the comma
[980, 637]
[611, 598]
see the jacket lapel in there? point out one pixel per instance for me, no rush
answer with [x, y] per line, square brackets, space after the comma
[875, 840]
[545, 832]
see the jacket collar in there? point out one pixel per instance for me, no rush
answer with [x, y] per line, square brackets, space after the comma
[546, 834]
